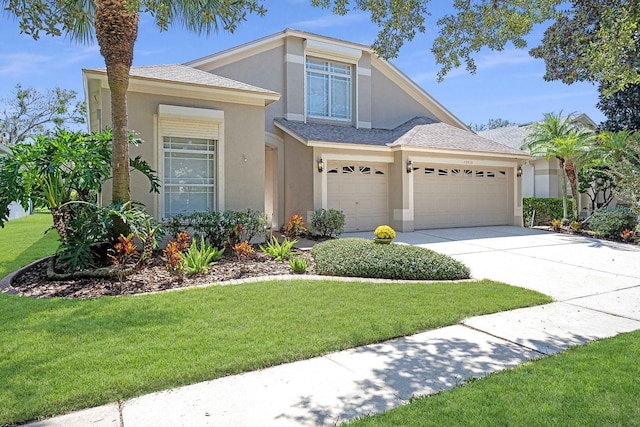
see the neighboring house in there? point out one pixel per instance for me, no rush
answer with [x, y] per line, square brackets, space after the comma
[316, 123]
[540, 177]
[15, 209]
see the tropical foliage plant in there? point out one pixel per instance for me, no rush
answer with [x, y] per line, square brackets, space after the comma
[276, 250]
[295, 227]
[298, 265]
[57, 170]
[560, 137]
[197, 259]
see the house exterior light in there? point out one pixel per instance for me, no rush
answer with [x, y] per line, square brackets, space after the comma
[519, 171]
[409, 166]
[320, 165]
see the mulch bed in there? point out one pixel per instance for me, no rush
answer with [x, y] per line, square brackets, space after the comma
[150, 278]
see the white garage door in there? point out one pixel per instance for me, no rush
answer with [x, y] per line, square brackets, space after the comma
[360, 191]
[455, 196]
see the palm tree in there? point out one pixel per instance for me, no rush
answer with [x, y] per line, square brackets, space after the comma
[560, 137]
[115, 23]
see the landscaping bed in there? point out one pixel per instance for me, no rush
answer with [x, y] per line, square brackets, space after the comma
[154, 277]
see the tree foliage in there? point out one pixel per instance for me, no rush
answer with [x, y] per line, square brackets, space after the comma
[486, 23]
[621, 109]
[622, 159]
[562, 138]
[492, 124]
[56, 170]
[595, 40]
[28, 112]
[597, 183]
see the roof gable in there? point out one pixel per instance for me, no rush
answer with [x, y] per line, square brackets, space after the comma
[386, 68]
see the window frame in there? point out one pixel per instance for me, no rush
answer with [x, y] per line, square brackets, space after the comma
[333, 78]
[212, 160]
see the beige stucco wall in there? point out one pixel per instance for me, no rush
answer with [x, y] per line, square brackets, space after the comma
[243, 140]
[390, 104]
[266, 70]
[299, 167]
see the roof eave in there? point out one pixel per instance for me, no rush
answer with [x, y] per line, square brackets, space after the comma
[138, 83]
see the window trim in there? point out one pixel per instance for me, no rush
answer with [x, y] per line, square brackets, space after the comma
[211, 156]
[352, 103]
[196, 116]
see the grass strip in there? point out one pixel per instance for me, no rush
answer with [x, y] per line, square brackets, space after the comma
[23, 240]
[591, 385]
[61, 355]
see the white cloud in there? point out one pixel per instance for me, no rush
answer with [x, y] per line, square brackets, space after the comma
[23, 63]
[330, 20]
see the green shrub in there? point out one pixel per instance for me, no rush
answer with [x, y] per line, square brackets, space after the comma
[217, 228]
[278, 251]
[354, 257]
[610, 222]
[298, 265]
[327, 223]
[198, 259]
[545, 209]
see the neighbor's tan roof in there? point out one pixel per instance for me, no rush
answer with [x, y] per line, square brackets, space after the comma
[175, 73]
[417, 132]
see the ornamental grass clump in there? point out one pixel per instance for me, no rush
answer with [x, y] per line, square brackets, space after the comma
[385, 232]
[278, 251]
[355, 257]
[198, 259]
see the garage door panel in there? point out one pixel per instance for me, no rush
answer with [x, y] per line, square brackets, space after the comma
[360, 190]
[450, 196]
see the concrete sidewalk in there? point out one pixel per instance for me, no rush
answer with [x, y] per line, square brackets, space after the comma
[596, 286]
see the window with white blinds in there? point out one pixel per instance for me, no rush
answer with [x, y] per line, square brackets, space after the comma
[189, 175]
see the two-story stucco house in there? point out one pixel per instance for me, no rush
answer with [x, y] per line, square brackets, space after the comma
[295, 122]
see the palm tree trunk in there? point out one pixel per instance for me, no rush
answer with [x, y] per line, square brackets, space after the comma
[116, 31]
[563, 190]
[570, 170]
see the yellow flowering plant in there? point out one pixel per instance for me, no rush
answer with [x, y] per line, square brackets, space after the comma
[385, 232]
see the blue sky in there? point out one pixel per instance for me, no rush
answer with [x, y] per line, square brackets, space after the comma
[507, 85]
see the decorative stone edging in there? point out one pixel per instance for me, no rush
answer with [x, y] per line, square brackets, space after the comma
[5, 282]
[6, 288]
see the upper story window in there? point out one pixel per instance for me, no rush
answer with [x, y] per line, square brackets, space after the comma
[328, 90]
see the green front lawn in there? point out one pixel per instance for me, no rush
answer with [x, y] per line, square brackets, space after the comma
[23, 240]
[59, 355]
[591, 385]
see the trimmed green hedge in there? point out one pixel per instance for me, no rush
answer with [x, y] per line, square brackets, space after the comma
[355, 257]
[546, 209]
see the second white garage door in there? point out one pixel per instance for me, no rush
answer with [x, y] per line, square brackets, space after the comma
[359, 190]
[454, 196]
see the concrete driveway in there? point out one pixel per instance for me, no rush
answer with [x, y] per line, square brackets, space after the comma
[560, 265]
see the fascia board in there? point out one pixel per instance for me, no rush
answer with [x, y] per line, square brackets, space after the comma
[187, 90]
[461, 152]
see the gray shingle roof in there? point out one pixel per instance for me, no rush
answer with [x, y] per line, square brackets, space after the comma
[175, 73]
[417, 132]
[513, 136]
